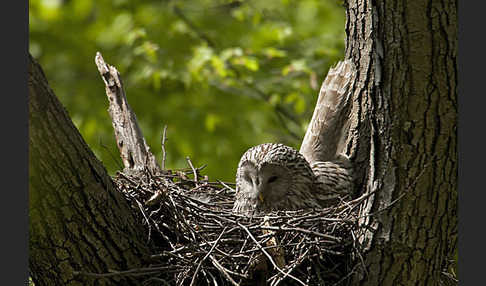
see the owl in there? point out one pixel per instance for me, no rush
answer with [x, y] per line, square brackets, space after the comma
[277, 177]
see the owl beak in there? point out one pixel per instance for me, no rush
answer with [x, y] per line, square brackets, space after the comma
[260, 196]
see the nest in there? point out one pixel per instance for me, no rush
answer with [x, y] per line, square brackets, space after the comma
[197, 240]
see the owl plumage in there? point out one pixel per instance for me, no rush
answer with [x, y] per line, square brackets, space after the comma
[277, 177]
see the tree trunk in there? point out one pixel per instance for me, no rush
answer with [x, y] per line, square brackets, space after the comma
[406, 116]
[78, 221]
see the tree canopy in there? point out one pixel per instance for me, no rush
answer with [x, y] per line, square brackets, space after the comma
[222, 75]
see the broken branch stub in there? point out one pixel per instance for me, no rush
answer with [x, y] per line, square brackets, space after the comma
[134, 151]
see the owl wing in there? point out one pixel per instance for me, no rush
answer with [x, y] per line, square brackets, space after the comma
[334, 180]
[330, 115]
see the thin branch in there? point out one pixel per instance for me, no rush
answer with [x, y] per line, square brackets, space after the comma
[268, 255]
[113, 157]
[194, 171]
[193, 27]
[206, 256]
[223, 270]
[164, 138]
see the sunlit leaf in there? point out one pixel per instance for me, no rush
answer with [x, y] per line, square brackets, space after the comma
[211, 121]
[274, 53]
[275, 99]
[82, 9]
[219, 66]
[135, 34]
[250, 63]
[50, 9]
[232, 52]
[202, 54]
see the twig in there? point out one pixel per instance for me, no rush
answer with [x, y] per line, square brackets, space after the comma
[194, 171]
[298, 229]
[290, 269]
[204, 258]
[130, 272]
[223, 270]
[268, 255]
[408, 190]
[277, 251]
[191, 25]
[163, 147]
[146, 219]
[226, 185]
[113, 157]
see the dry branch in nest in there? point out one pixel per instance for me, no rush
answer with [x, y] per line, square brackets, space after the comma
[197, 240]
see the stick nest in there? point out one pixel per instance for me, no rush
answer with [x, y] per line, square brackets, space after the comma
[197, 240]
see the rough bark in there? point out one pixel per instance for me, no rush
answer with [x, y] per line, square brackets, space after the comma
[404, 135]
[78, 221]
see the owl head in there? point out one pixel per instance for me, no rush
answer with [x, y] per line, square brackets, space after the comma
[273, 177]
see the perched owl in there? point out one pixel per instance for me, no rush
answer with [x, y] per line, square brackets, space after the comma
[277, 177]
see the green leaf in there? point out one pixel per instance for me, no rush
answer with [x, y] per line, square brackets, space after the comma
[212, 120]
[250, 63]
[274, 53]
[202, 55]
[219, 66]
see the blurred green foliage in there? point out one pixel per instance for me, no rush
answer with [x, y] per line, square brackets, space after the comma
[222, 75]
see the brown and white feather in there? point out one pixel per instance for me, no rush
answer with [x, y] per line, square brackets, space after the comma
[330, 115]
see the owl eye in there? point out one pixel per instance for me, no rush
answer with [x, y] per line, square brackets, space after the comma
[247, 178]
[272, 179]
